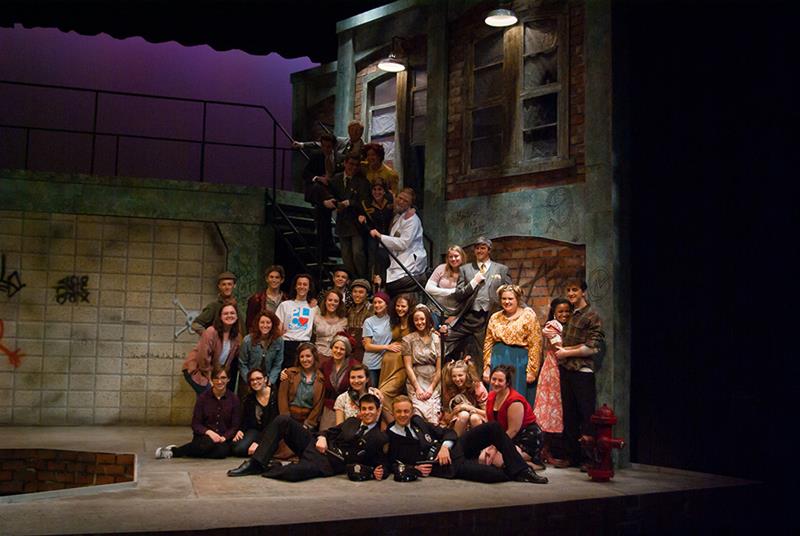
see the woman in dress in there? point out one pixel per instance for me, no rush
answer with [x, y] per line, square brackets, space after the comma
[392, 381]
[442, 283]
[330, 318]
[336, 377]
[377, 336]
[464, 397]
[346, 404]
[422, 357]
[301, 393]
[215, 422]
[268, 300]
[262, 348]
[514, 337]
[258, 410]
[217, 348]
[548, 410]
[509, 408]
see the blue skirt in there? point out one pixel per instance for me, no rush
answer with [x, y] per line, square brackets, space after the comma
[516, 356]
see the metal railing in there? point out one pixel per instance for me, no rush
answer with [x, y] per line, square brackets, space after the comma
[278, 153]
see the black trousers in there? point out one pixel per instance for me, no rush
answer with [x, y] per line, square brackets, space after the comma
[201, 446]
[578, 401]
[312, 463]
[466, 338]
[465, 464]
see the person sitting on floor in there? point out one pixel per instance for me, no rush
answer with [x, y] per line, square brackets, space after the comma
[356, 446]
[418, 448]
[215, 423]
[464, 397]
[346, 404]
[258, 410]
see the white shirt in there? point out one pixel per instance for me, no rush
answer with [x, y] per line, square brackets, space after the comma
[297, 318]
[405, 241]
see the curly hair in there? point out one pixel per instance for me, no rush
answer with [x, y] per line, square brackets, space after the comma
[340, 311]
[394, 318]
[274, 332]
[450, 388]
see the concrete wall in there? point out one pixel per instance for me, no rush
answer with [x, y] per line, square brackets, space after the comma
[111, 356]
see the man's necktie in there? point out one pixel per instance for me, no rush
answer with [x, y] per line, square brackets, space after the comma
[408, 433]
[483, 267]
[361, 431]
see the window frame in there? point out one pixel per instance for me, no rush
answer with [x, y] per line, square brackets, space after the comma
[513, 97]
[368, 92]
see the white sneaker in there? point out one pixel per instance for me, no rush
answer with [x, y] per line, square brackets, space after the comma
[164, 452]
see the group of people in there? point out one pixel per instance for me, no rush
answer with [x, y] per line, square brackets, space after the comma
[359, 379]
[349, 178]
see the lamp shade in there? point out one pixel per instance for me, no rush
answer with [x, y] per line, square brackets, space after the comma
[500, 18]
[392, 64]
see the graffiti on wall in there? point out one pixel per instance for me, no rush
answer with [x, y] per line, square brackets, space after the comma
[10, 283]
[14, 356]
[550, 272]
[190, 316]
[72, 288]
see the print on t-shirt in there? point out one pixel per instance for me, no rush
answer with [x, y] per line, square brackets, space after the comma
[300, 317]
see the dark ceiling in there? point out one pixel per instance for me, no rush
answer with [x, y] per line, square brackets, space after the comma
[292, 28]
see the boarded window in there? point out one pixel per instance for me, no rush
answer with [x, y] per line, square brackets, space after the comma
[382, 114]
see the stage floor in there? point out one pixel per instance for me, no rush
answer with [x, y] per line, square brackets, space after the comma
[186, 494]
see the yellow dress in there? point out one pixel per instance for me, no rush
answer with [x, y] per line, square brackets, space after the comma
[393, 372]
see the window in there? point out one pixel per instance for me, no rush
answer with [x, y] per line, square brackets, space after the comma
[382, 114]
[530, 134]
[486, 113]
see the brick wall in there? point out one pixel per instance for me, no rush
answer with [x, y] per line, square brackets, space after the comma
[32, 470]
[462, 33]
[111, 359]
[541, 267]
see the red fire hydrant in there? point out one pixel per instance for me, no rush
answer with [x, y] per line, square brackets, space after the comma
[602, 469]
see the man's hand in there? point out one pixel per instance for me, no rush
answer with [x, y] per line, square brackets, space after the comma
[378, 473]
[362, 219]
[443, 456]
[425, 469]
[329, 203]
[239, 435]
[374, 233]
[562, 354]
[486, 374]
[296, 145]
[322, 444]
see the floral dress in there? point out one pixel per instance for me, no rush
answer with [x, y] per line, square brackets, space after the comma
[547, 408]
[424, 356]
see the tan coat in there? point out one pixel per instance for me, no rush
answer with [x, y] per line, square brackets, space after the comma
[205, 356]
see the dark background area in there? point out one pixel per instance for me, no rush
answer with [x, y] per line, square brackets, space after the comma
[708, 139]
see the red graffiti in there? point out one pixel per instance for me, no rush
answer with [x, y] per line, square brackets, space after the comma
[14, 357]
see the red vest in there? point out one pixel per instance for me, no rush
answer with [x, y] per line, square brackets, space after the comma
[528, 416]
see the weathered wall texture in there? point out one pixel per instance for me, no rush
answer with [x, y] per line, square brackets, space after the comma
[103, 353]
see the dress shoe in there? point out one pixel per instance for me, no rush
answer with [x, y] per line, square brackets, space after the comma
[248, 467]
[530, 475]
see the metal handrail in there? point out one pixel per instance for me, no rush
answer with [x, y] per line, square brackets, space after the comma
[276, 126]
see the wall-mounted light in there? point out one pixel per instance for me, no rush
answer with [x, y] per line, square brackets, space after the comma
[501, 17]
[395, 62]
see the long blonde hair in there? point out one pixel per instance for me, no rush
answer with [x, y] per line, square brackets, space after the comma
[451, 390]
[447, 268]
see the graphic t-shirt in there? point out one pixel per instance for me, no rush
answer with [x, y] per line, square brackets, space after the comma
[298, 319]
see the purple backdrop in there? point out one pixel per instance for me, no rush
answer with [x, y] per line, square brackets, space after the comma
[49, 56]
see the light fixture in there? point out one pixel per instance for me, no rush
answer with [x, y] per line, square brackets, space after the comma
[501, 17]
[395, 62]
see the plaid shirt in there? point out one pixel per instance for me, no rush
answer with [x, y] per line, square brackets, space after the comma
[584, 327]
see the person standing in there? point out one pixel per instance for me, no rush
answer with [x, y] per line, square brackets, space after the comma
[476, 293]
[270, 299]
[297, 317]
[350, 188]
[226, 283]
[405, 241]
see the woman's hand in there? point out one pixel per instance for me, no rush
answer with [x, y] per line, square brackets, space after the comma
[530, 377]
[239, 435]
[322, 444]
[421, 393]
[284, 376]
[394, 347]
[312, 303]
[252, 448]
[215, 437]
[362, 219]
[486, 374]
[443, 456]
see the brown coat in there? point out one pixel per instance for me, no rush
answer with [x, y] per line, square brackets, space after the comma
[205, 356]
[288, 390]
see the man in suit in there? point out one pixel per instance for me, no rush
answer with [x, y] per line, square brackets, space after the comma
[350, 188]
[476, 291]
[418, 448]
[356, 447]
